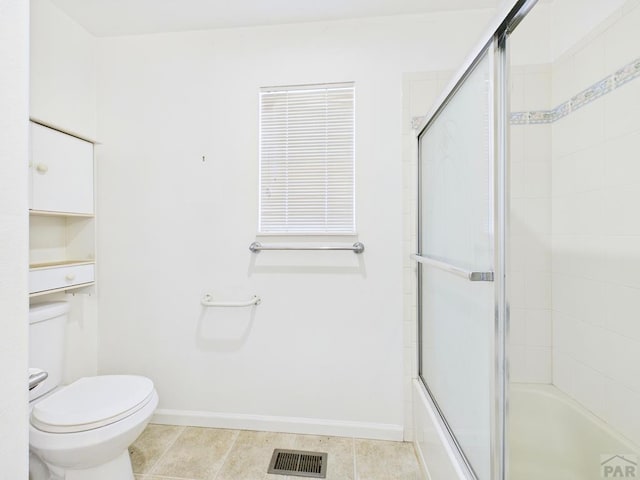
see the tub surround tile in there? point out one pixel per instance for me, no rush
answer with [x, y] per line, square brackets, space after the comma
[604, 86]
[530, 219]
[621, 115]
[596, 230]
[538, 327]
[538, 364]
[619, 402]
[621, 42]
[621, 166]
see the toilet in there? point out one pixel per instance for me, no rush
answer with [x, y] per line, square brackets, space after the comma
[80, 431]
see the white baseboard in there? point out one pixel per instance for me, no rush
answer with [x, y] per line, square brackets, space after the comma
[305, 426]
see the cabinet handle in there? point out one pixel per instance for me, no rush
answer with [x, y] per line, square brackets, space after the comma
[70, 277]
[42, 168]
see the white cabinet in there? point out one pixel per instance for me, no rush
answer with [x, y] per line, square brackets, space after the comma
[61, 215]
[59, 275]
[61, 172]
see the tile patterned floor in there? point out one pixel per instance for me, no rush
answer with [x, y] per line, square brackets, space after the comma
[167, 452]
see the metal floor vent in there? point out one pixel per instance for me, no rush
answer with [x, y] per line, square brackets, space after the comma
[298, 463]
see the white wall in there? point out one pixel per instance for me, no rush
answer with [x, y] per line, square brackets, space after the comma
[63, 95]
[63, 75]
[14, 98]
[326, 344]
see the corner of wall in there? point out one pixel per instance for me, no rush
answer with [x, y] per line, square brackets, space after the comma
[14, 98]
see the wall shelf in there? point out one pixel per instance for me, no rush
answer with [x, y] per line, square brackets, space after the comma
[59, 263]
[48, 213]
[61, 214]
[73, 288]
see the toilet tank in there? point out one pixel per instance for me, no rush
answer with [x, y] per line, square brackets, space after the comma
[47, 322]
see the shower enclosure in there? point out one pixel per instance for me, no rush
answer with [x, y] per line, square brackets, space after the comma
[528, 340]
[461, 301]
[458, 269]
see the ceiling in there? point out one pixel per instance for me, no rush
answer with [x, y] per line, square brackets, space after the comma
[127, 17]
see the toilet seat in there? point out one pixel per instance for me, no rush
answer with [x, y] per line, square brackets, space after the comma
[92, 402]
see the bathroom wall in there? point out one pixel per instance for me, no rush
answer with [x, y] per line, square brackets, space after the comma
[63, 74]
[596, 228]
[532, 97]
[14, 104]
[530, 228]
[575, 19]
[63, 95]
[323, 352]
[586, 123]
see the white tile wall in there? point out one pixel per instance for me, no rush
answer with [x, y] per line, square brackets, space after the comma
[596, 230]
[530, 257]
[621, 38]
[575, 191]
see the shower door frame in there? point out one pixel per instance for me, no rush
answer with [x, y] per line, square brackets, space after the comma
[495, 46]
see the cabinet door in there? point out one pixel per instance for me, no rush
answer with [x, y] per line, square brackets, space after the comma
[61, 172]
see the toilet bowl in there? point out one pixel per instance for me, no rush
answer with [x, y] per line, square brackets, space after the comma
[81, 431]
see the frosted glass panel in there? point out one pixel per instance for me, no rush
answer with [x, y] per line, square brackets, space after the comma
[457, 183]
[457, 316]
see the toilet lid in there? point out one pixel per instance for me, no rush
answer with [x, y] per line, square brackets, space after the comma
[91, 402]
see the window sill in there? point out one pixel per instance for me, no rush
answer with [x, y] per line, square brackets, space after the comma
[306, 235]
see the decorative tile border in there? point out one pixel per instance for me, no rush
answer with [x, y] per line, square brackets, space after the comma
[608, 84]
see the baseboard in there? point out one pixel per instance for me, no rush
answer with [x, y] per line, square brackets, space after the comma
[305, 426]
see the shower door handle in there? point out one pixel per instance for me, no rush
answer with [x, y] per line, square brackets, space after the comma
[447, 267]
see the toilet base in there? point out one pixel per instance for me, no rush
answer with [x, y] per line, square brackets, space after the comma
[117, 469]
[37, 469]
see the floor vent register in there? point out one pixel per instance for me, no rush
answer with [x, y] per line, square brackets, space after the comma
[298, 463]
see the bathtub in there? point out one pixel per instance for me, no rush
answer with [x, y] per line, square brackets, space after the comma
[553, 437]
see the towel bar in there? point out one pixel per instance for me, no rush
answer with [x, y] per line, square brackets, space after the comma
[207, 301]
[256, 247]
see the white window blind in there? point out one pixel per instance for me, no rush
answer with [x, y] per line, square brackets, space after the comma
[307, 160]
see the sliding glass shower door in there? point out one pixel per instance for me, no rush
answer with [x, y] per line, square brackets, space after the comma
[456, 264]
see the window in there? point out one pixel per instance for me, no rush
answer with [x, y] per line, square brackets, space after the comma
[307, 160]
